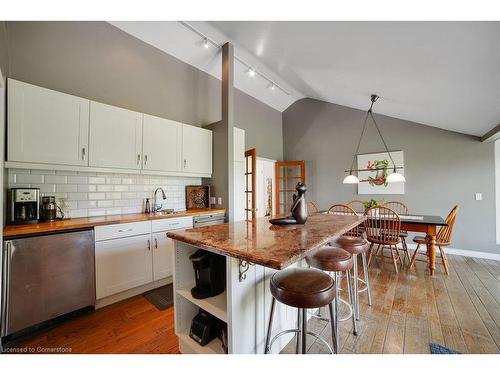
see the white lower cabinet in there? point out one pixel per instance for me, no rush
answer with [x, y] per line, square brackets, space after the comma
[163, 256]
[122, 264]
[134, 254]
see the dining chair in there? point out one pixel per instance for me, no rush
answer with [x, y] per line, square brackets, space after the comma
[342, 209]
[357, 206]
[383, 227]
[401, 209]
[312, 207]
[443, 239]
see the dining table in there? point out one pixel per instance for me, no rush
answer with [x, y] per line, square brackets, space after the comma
[427, 224]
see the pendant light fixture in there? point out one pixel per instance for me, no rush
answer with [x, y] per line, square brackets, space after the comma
[394, 176]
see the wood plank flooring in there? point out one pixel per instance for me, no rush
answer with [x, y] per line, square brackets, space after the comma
[410, 310]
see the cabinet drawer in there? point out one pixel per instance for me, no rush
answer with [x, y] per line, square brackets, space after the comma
[107, 232]
[166, 225]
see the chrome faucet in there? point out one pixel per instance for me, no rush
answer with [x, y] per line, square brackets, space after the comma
[157, 207]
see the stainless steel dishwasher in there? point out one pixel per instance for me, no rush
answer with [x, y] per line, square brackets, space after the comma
[45, 277]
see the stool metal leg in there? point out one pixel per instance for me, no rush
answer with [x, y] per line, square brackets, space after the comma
[367, 279]
[270, 326]
[335, 322]
[333, 329]
[351, 299]
[356, 296]
[297, 335]
[304, 330]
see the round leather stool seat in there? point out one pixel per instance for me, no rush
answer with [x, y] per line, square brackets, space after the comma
[304, 288]
[354, 245]
[329, 258]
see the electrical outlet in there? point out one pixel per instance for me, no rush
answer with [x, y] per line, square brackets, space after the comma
[212, 200]
[479, 196]
[219, 200]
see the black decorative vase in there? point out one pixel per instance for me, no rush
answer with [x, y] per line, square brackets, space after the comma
[298, 210]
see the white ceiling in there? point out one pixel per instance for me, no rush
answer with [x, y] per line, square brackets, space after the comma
[443, 74]
[177, 40]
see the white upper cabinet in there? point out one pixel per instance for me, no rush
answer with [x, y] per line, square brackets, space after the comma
[196, 150]
[115, 137]
[162, 144]
[46, 126]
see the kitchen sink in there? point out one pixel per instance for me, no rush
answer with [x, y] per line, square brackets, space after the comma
[164, 212]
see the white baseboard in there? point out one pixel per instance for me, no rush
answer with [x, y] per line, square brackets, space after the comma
[466, 253]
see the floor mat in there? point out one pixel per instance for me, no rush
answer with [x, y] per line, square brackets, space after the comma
[440, 349]
[162, 297]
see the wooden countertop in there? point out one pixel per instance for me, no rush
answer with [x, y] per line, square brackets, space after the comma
[257, 241]
[12, 231]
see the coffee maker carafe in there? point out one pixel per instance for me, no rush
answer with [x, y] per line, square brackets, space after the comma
[24, 206]
[49, 209]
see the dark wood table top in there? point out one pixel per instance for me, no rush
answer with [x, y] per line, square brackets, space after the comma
[416, 219]
[258, 241]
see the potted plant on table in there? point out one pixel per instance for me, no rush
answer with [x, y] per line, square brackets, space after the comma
[372, 203]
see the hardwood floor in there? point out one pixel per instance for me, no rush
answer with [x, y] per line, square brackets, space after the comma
[410, 310]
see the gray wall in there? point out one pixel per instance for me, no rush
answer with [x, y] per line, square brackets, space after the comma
[95, 60]
[442, 168]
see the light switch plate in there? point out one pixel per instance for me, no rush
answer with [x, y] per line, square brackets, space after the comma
[479, 196]
[212, 200]
[219, 200]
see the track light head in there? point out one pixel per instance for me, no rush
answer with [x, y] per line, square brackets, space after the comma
[205, 43]
[251, 72]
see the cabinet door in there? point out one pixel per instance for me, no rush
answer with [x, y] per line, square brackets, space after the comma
[122, 264]
[115, 137]
[46, 126]
[163, 256]
[161, 144]
[196, 150]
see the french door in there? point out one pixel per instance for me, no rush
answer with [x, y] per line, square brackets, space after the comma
[250, 173]
[287, 174]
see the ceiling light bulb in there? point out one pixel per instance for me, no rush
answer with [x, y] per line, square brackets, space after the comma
[205, 43]
[395, 177]
[251, 72]
[351, 179]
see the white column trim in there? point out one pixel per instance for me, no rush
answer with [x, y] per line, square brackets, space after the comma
[497, 189]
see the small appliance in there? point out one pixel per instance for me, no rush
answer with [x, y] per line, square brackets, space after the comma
[24, 206]
[210, 274]
[204, 327]
[49, 209]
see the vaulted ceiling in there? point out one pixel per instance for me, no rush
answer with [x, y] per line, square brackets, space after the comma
[443, 74]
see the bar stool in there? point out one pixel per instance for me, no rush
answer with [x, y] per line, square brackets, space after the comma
[336, 260]
[357, 246]
[303, 288]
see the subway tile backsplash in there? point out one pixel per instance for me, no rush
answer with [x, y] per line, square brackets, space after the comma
[82, 194]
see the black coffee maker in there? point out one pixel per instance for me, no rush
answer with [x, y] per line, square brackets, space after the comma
[210, 274]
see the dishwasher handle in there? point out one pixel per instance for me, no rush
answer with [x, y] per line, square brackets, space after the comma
[6, 275]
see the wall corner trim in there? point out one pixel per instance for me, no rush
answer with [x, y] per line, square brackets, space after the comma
[465, 253]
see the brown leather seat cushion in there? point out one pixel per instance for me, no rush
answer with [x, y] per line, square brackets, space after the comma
[354, 245]
[304, 288]
[423, 241]
[330, 258]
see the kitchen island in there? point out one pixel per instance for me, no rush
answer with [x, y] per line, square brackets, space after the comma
[254, 250]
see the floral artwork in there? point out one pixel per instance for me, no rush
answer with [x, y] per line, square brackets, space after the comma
[379, 166]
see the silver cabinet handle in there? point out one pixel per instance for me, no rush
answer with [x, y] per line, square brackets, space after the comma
[173, 224]
[149, 245]
[185, 163]
[156, 243]
[145, 159]
[138, 159]
[83, 153]
[125, 230]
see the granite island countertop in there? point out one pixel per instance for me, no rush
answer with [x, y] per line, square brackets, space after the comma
[259, 242]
